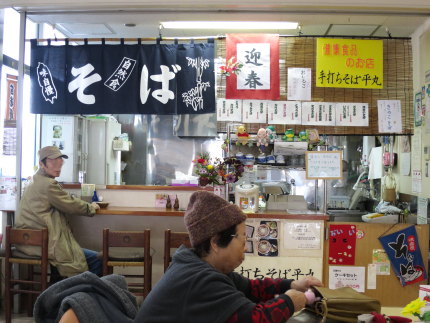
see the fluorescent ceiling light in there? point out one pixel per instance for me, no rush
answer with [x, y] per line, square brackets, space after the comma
[229, 24]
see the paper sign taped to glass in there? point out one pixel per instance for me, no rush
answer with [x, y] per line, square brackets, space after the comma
[403, 250]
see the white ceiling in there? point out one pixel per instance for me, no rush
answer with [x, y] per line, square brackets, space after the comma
[106, 18]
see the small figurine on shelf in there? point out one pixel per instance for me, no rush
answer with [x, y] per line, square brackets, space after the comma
[303, 135]
[224, 145]
[262, 139]
[242, 135]
[168, 203]
[176, 205]
[289, 135]
[313, 136]
[271, 133]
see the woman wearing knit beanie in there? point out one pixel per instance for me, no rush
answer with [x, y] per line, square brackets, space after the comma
[201, 286]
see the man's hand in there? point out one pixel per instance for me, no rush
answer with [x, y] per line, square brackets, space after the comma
[95, 205]
[304, 283]
[298, 298]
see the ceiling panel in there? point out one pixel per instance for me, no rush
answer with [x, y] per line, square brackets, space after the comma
[85, 29]
[358, 5]
[313, 18]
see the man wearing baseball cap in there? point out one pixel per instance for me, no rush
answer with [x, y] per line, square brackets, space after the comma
[200, 284]
[44, 205]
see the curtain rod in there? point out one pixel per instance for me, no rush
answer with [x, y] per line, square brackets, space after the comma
[200, 38]
[127, 39]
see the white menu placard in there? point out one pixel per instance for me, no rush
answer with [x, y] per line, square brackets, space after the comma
[229, 110]
[318, 113]
[302, 235]
[346, 276]
[416, 181]
[284, 112]
[371, 276]
[416, 149]
[323, 164]
[299, 83]
[254, 111]
[325, 114]
[389, 116]
[352, 114]
[422, 210]
[309, 113]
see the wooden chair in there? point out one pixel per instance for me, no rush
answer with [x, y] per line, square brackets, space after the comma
[30, 238]
[173, 240]
[122, 255]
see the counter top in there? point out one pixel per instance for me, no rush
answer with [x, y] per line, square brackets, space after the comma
[156, 211]
[142, 187]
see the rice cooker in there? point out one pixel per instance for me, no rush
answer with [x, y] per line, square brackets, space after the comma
[246, 197]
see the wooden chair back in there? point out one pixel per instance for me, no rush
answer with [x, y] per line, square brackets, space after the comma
[30, 238]
[174, 240]
[129, 239]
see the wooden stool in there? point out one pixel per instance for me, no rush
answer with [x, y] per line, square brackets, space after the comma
[125, 257]
[30, 238]
[173, 240]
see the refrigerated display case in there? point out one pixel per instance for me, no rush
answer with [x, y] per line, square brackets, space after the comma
[69, 134]
[88, 142]
[103, 163]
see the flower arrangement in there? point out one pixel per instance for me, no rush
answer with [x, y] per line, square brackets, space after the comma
[205, 170]
[414, 308]
[230, 170]
[217, 172]
[231, 67]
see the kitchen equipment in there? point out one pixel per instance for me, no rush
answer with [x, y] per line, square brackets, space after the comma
[278, 198]
[247, 197]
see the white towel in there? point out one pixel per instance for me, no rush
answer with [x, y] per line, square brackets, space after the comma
[376, 169]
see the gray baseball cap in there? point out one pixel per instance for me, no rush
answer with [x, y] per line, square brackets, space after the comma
[51, 152]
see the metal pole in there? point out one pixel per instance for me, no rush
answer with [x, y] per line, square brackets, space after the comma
[19, 112]
[19, 118]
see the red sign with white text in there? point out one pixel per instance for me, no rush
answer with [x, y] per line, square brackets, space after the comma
[342, 239]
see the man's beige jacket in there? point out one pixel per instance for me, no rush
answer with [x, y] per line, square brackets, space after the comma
[44, 205]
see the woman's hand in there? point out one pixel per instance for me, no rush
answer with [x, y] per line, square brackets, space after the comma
[304, 283]
[298, 298]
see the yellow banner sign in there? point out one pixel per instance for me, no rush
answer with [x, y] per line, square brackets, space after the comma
[350, 63]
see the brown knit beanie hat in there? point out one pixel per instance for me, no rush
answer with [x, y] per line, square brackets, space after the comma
[208, 214]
